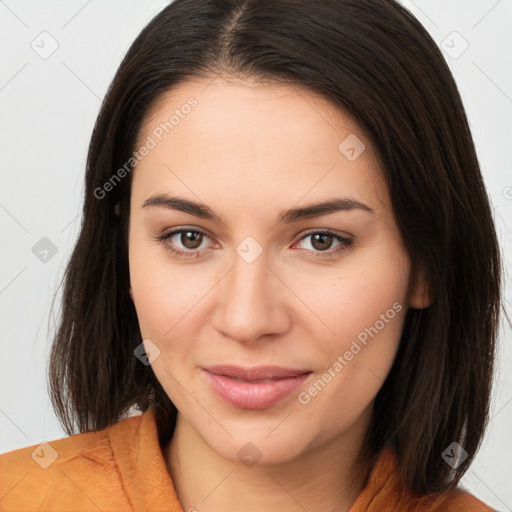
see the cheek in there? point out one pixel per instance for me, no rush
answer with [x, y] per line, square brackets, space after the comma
[369, 288]
[163, 300]
[355, 364]
[364, 308]
[167, 296]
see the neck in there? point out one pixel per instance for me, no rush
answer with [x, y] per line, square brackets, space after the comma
[326, 478]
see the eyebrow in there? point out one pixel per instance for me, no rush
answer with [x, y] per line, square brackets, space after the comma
[288, 216]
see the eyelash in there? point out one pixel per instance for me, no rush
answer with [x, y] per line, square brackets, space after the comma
[346, 243]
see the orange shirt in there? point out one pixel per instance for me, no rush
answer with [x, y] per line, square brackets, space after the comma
[122, 468]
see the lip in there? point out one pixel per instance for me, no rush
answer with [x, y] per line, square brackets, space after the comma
[254, 388]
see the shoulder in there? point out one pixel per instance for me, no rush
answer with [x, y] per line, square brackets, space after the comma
[457, 500]
[386, 492]
[460, 500]
[79, 470]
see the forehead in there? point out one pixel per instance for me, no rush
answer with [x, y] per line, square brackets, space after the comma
[227, 137]
[227, 106]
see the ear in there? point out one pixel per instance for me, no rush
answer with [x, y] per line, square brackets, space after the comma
[421, 295]
[131, 293]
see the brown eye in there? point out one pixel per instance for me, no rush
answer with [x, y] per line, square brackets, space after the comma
[191, 239]
[184, 242]
[322, 241]
[325, 243]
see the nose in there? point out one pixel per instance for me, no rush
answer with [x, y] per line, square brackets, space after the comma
[252, 302]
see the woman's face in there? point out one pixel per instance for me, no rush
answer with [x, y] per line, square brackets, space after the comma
[265, 278]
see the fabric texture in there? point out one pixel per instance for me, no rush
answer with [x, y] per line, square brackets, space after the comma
[122, 468]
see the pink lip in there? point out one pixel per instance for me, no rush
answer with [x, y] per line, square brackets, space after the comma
[250, 388]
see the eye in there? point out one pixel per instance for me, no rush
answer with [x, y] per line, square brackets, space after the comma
[321, 243]
[187, 242]
[189, 239]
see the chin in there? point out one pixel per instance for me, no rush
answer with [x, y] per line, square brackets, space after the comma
[258, 451]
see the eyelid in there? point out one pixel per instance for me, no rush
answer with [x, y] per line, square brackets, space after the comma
[177, 229]
[346, 242]
[325, 231]
[184, 229]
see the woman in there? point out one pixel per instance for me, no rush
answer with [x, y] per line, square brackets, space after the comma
[282, 218]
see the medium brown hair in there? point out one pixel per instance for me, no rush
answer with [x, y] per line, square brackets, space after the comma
[375, 61]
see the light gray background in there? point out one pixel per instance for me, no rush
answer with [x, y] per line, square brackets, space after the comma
[48, 107]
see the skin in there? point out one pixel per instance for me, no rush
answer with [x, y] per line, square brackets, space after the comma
[249, 151]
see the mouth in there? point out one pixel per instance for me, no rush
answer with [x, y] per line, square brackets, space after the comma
[254, 388]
